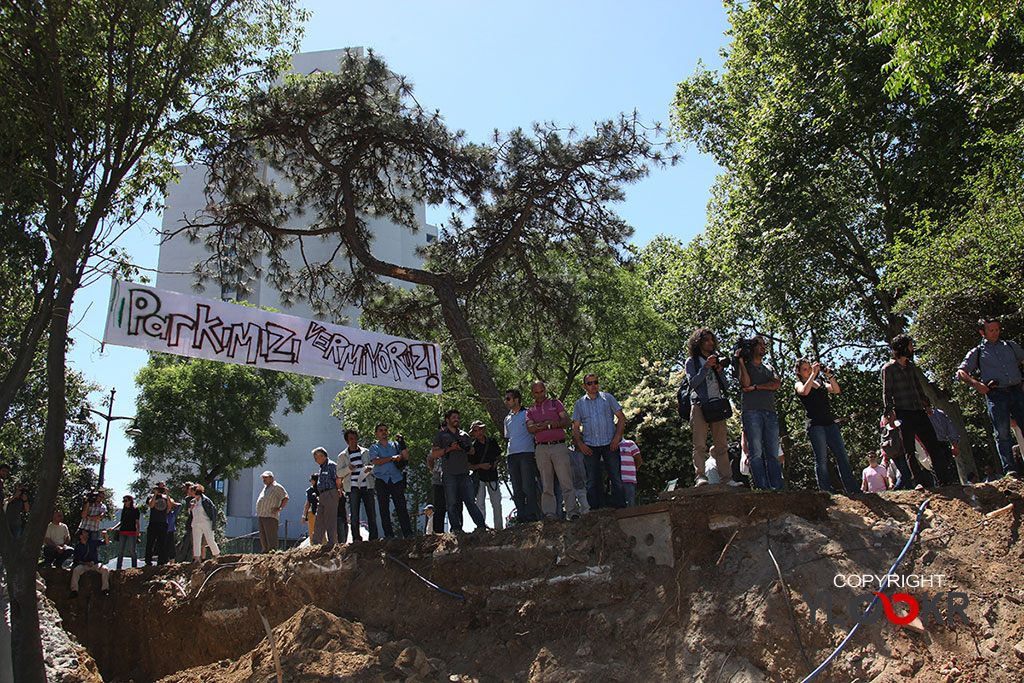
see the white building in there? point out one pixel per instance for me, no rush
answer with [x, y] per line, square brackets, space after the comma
[293, 463]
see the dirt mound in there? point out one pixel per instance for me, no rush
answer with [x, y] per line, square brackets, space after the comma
[685, 589]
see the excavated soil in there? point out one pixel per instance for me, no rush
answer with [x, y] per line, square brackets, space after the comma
[584, 601]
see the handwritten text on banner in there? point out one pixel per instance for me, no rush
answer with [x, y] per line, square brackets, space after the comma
[159, 320]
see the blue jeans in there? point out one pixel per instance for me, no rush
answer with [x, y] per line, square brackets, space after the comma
[458, 490]
[522, 470]
[1002, 404]
[604, 461]
[629, 489]
[761, 428]
[129, 542]
[820, 437]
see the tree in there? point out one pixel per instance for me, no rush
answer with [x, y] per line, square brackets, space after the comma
[202, 420]
[355, 145]
[101, 98]
[825, 172]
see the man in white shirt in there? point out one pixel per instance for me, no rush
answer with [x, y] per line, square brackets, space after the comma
[271, 501]
[56, 548]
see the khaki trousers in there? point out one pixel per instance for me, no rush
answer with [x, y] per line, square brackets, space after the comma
[268, 533]
[719, 445]
[553, 461]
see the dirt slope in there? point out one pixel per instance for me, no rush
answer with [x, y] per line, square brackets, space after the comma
[583, 601]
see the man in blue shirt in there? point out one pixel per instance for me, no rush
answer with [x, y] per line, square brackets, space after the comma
[522, 468]
[999, 364]
[597, 427]
[328, 483]
[385, 456]
[87, 559]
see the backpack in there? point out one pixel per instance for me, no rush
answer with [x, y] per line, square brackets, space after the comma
[683, 400]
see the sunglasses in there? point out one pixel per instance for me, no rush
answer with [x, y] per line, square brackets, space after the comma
[592, 382]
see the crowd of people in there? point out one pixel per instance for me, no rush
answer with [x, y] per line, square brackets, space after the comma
[562, 466]
[913, 430]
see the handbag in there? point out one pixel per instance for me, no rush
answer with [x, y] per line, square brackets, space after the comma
[716, 410]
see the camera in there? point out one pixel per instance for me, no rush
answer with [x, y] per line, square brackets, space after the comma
[744, 348]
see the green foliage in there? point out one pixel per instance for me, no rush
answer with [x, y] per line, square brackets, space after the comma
[823, 170]
[21, 441]
[928, 36]
[665, 442]
[203, 420]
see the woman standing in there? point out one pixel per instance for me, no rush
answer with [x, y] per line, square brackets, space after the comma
[822, 429]
[707, 387]
[201, 519]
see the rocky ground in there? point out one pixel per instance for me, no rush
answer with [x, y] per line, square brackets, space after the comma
[685, 590]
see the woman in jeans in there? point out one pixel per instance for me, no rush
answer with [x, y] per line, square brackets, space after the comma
[822, 429]
[704, 373]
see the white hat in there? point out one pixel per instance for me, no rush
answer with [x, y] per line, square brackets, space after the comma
[267, 473]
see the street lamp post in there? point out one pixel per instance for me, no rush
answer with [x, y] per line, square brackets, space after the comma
[109, 417]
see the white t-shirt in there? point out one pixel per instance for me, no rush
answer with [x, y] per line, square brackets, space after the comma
[58, 533]
[199, 516]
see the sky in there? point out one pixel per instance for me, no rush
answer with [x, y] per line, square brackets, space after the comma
[485, 65]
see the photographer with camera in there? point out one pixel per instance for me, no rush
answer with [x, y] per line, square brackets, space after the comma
[904, 400]
[709, 405]
[999, 364]
[93, 513]
[822, 430]
[760, 420]
[160, 505]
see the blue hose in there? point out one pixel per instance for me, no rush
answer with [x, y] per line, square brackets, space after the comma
[885, 582]
[424, 580]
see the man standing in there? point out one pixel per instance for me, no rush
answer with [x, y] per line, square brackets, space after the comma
[453, 446]
[522, 467]
[760, 421]
[904, 400]
[327, 485]
[56, 548]
[597, 427]
[999, 364]
[547, 421]
[484, 463]
[271, 501]
[389, 458]
[357, 480]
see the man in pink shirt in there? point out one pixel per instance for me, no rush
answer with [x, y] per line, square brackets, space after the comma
[547, 421]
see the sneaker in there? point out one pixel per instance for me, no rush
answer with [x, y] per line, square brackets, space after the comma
[919, 487]
[106, 591]
[574, 517]
[701, 481]
[74, 594]
[734, 483]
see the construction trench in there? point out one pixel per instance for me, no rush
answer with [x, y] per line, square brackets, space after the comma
[708, 585]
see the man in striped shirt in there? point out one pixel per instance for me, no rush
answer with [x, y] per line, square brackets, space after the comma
[357, 480]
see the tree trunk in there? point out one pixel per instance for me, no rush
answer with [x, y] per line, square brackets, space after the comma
[26, 642]
[469, 351]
